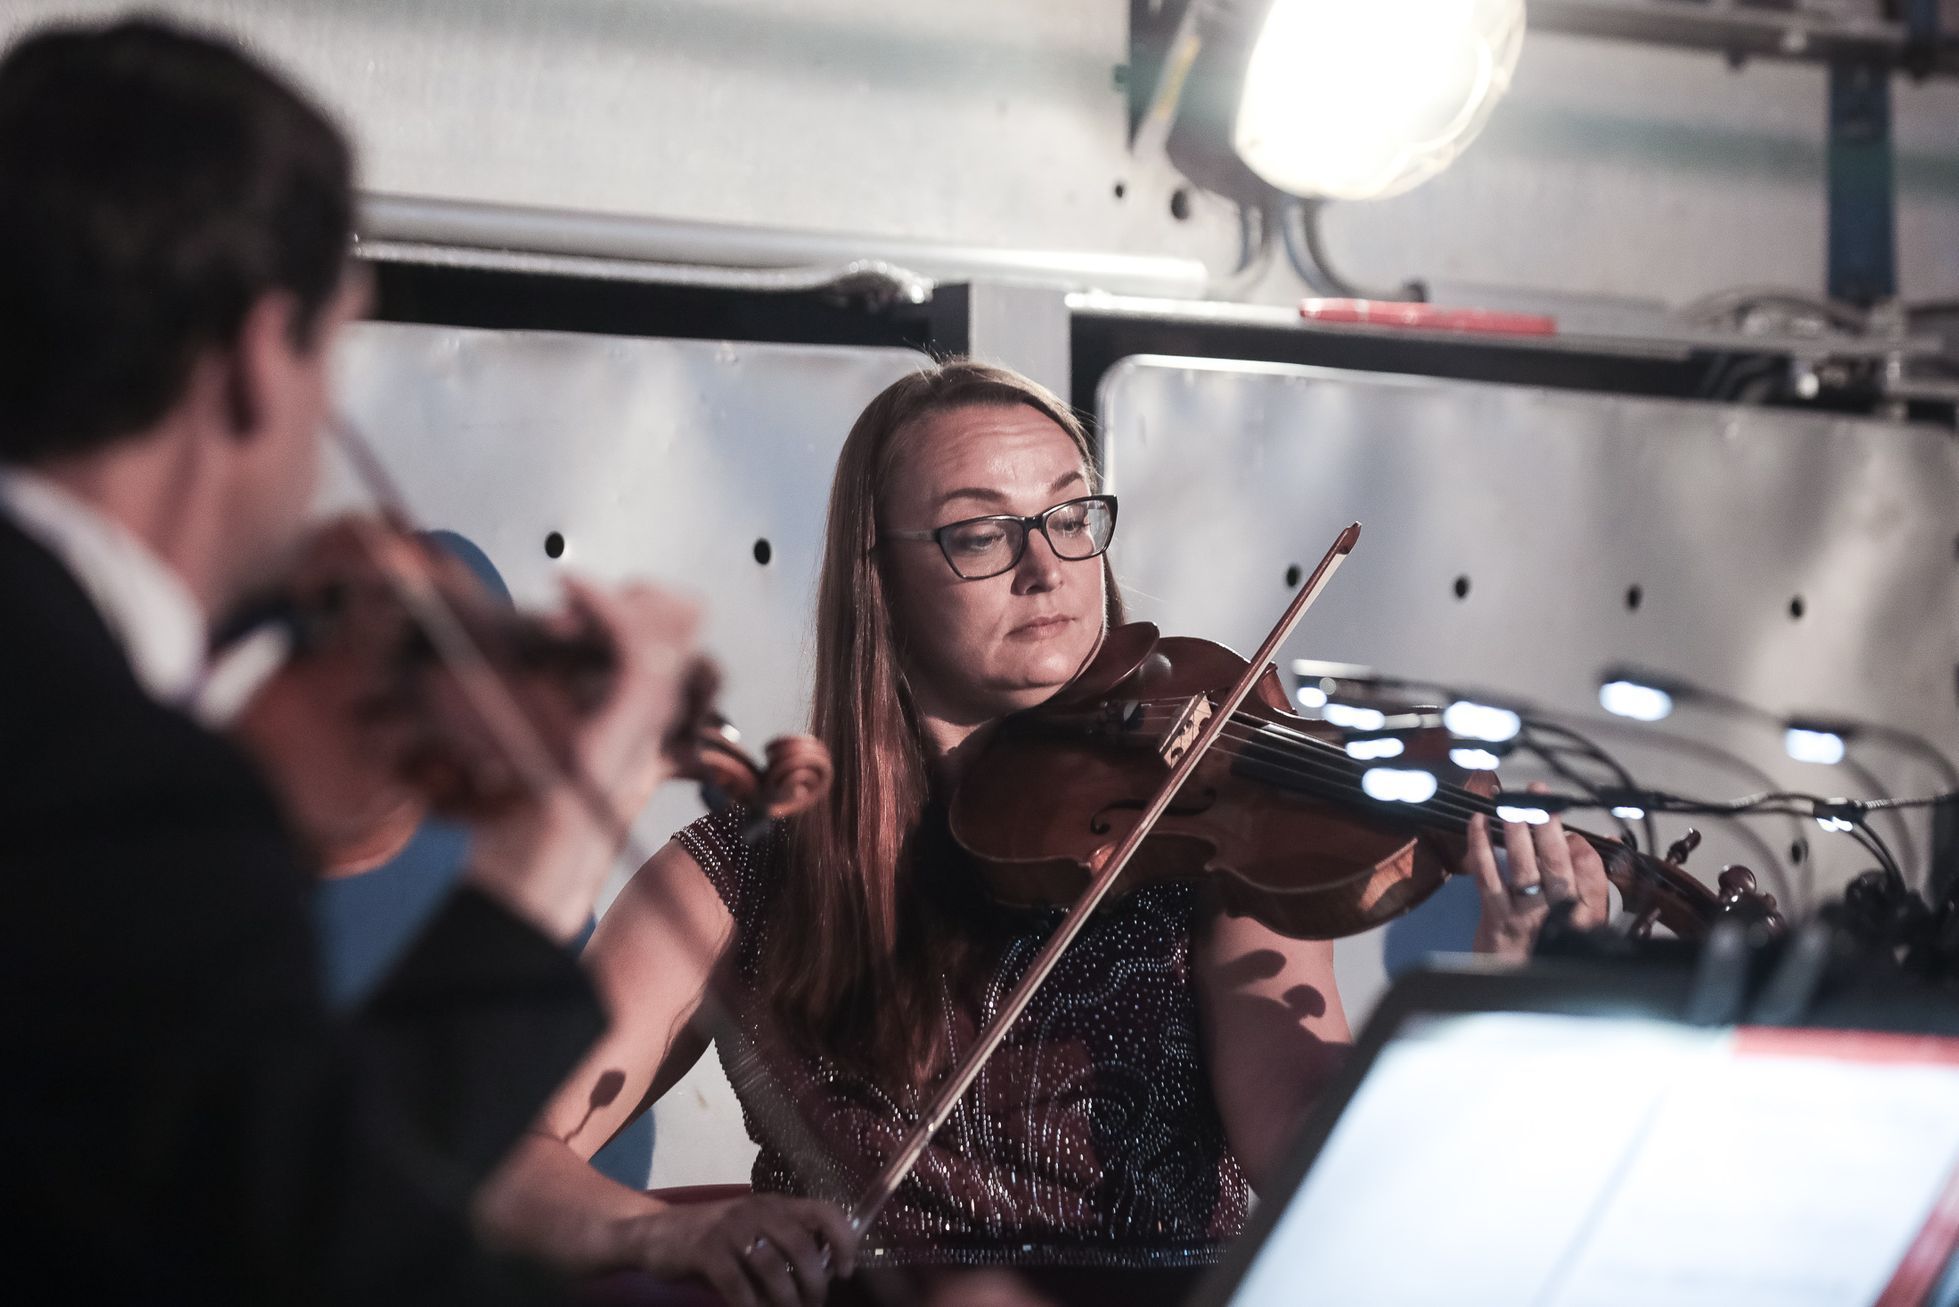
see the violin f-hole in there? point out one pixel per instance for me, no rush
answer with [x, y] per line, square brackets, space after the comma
[1184, 805]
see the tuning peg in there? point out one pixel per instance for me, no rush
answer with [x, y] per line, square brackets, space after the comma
[1682, 847]
[1736, 880]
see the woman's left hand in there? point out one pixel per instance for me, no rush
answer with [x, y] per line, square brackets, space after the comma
[1548, 866]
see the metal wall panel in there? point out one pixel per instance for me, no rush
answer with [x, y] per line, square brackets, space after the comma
[1553, 505]
[654, 459]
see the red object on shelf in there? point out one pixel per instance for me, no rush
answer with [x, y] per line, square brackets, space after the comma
[1427, 317]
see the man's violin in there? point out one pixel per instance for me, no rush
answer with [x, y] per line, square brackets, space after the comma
[467, 704]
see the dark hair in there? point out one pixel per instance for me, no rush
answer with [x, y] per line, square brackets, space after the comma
[154, 184]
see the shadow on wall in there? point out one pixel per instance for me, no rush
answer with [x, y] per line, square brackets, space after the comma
[365, 922]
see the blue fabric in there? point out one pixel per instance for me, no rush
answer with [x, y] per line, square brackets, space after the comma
[365, 922]
[1445, 923]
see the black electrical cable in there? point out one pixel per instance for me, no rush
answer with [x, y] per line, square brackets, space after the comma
[1618, 769]
[1848, 812]
[1907, 846]
[1885, 805]
[1299, 231]
[1549, 755]
[1648, 802]
[1726, 759]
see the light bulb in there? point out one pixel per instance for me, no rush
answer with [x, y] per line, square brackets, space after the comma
[1363, 99]
[1804, 745]
[1479, 721]
[1642, 703]
[1348, 717]
[1398, 785]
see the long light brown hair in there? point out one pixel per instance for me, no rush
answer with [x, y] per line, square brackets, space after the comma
[865, 942]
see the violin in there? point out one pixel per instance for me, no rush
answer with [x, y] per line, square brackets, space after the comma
[1275, 817]
[458, 705]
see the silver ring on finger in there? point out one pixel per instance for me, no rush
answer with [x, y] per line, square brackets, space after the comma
[1529, 891]
[756, 1245]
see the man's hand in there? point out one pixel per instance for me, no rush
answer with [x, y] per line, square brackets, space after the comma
[548, 859]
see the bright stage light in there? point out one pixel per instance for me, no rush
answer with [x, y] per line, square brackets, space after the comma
[1398, 785]
[1371, 750]
[1474, 759]
[1363, 99]
[1642, 703]
[1824, 747]
[1528, 816]
[1629, 814]
[1479, 721]
[1350, 718]
[1310, 697]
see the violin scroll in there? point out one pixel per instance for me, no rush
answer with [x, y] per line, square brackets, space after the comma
[793, 776]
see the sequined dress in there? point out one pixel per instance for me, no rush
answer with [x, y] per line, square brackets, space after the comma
[1091, 1139]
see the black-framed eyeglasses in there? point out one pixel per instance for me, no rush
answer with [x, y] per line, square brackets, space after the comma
[979, 547]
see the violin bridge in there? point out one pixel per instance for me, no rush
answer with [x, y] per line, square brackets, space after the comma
[1184, 731]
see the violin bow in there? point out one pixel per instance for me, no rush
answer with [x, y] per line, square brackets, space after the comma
[1208, 719]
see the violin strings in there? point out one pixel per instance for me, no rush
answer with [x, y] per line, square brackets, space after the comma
[1461, 802]
[1267, 743]
[1451, 815]
[1272, 737]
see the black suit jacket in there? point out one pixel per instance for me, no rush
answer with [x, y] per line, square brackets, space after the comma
[180, 1117]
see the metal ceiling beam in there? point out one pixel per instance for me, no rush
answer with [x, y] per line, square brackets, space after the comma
[1756, 31]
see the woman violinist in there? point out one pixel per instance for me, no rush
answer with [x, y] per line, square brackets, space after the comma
[1161, 1070]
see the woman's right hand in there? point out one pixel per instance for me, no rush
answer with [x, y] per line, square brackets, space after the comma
[766, 1250]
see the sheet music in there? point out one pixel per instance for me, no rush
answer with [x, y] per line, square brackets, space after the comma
[1510, 1158]
[1781, 1180]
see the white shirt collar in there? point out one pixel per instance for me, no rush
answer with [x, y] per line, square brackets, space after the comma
[145, 604]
